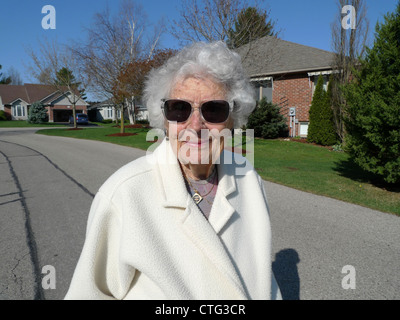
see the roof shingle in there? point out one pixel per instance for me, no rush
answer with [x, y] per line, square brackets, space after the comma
[270, 55]
[29, 92]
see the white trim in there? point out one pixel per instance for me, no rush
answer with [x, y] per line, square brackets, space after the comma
[14, 101]
[261, 79]
[317, 73]
[51, 94]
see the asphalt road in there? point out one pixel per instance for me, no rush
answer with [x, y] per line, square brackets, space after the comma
[320, 245]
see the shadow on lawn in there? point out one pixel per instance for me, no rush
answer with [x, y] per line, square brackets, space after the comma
[347, 168]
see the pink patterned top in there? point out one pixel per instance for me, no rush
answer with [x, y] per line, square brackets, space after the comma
[207, 190]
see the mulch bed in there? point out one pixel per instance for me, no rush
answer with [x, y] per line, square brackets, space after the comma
[75, 129]
[306, 142]
[134, 126]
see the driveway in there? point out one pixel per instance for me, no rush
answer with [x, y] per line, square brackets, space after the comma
[321, 246]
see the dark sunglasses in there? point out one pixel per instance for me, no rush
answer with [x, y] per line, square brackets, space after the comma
[213, 111]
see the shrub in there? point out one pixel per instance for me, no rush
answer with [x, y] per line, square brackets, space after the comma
[267, 121]
[321, 129]
[37, 113]
[373, 105]
[3, 116]
[142, 121]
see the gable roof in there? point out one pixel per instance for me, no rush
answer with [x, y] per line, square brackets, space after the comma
[270, 55]
[103, 104]
[10, 93]
[29, 92]
[37, 92]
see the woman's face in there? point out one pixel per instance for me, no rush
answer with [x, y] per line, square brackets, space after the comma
[195, 140]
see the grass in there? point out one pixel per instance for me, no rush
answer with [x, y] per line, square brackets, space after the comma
[301, 166]
[322, 171]
[103, 134]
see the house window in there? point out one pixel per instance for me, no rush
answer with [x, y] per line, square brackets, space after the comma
[264, 89]
[18, 111]
[325, 82]
[109, 112]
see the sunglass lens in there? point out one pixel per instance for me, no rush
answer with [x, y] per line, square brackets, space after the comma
[177, 110]
[216, 111]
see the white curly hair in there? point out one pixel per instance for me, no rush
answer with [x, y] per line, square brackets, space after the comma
[201, 59]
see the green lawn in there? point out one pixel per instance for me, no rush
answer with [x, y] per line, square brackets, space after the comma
[103, 134]
[302, 166]
[321, 171]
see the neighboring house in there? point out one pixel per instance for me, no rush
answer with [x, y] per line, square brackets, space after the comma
[286, 74]
[106, 111]
[142, 113]
[103, 111]
[16, 100]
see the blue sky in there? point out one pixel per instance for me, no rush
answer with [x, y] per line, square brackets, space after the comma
[302, 21]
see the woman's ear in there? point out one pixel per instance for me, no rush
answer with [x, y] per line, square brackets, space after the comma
[166, 133]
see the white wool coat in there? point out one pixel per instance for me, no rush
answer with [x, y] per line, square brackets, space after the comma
[147, 239]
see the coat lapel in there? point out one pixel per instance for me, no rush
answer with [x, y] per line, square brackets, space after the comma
[222, 210]
[172, 186]
[202, 232]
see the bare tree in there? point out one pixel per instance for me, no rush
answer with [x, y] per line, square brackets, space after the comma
[4, 79]
[113, 42]
[46, 66]
[348, 45]
[213, 20]
[15, 76]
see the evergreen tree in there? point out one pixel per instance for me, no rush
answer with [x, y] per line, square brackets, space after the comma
[251, 24]
[373, 112]
[65, 77]
[37, 113]
[318, 100]
[328, 134]
[267, 121]
[321, 129]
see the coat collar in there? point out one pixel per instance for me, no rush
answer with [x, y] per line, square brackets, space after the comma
[173, 188]
[172, 184]
[203, 233]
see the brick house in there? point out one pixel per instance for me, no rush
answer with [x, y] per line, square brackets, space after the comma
[286, 74]
[15, 101]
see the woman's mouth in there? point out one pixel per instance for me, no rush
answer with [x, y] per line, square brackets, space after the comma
[197, 143]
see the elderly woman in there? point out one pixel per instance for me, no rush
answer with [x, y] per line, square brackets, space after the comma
[181, 223]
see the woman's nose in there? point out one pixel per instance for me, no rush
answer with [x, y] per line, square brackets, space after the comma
[196, 121]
